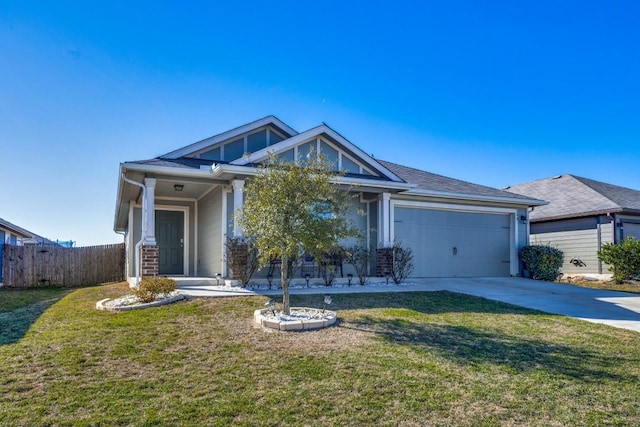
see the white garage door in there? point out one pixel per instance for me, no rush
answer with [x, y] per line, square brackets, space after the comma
[455, 244]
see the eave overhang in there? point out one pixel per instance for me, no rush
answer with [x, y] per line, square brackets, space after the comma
[476, 197]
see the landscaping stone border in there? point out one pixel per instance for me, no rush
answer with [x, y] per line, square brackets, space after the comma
[294, 325]
[100, 305]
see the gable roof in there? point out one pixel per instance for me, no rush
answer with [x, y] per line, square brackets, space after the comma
[28, 236]
[196, 146]
[428, 183]
[574, 196]
[15, 229]
[317, 131]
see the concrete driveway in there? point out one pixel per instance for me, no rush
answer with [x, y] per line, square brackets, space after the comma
[619, 309]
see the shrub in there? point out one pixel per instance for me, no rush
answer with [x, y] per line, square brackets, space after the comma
[623, 258]
[402, 263]
[359, 257]
[151, 288]
[543, 262]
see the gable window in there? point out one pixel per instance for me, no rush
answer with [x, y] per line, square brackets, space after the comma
[330, 153]
[287, 156]
[234, 150]
[256, 141]
[211, 154]
[349, 165]
[274, 138]
[305, 149]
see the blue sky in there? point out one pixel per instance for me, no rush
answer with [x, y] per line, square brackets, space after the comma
[495, 93]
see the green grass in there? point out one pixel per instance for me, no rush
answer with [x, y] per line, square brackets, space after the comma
[632, 286]
[393, 359]
[11, 299]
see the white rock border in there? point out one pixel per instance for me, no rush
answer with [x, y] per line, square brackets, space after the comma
[261, 319]
[100, 305]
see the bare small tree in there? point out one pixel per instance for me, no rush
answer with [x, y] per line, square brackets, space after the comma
[359, 257]
[402, 264]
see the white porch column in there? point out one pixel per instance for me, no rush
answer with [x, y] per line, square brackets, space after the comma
[384, 223]
[149, 211]
[238, 202]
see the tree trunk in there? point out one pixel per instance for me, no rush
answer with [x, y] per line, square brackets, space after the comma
[284, 279]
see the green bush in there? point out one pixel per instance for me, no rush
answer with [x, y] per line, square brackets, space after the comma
[543, 262]
[151, 288]
[623, 258]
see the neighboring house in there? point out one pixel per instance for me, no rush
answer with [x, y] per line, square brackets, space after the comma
[10, 234]
[581, 216]
[177, 209]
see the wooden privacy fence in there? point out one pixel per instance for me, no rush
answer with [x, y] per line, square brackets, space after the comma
[31, 266]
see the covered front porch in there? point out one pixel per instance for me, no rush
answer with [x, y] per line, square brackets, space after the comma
[179, 222]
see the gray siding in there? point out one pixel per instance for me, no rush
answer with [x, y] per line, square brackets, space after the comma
[578, 239]
[576, 244]
[210, 234]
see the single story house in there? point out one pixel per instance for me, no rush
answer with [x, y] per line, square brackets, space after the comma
[11, 234]
[581, 216]
[176, 210]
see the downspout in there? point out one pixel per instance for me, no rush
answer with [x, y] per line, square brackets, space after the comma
[144, 227]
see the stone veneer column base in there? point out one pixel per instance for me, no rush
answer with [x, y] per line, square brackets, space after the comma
[149, 260]
[384, 261]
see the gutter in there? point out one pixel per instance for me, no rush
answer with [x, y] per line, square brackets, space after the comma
[448, 195]
[144, 227]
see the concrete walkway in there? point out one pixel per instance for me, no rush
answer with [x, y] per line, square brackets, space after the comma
[619, 309]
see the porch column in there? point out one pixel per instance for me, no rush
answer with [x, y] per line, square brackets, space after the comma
[385, 220]
[149, 211]
[238, 202]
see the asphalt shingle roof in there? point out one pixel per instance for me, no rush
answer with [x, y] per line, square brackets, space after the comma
[574, 196]
[434, 182]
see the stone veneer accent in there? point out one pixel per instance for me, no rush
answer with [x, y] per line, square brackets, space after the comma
[384, 261]
[149, 260]
[238, 258]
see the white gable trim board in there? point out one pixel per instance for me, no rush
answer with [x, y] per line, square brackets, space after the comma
[229, 135]
[359, 156]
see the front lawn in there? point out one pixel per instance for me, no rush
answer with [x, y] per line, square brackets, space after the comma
[394, 359]
[632, 286]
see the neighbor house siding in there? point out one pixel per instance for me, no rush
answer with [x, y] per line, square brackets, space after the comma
[578, 240]
[210, 234]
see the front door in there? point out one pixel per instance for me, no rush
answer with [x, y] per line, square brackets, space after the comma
[170, 240]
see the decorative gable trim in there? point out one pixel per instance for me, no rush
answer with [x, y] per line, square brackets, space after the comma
[316, 132]
[230, 134]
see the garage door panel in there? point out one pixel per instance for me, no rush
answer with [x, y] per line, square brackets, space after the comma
[448, 244]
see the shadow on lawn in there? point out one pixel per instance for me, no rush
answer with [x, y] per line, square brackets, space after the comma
[463, 344]
[472, 346]
[423, 302]
[15, 324]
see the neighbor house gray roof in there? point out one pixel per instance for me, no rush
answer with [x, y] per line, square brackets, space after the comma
[573, 196]
[438, 183]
